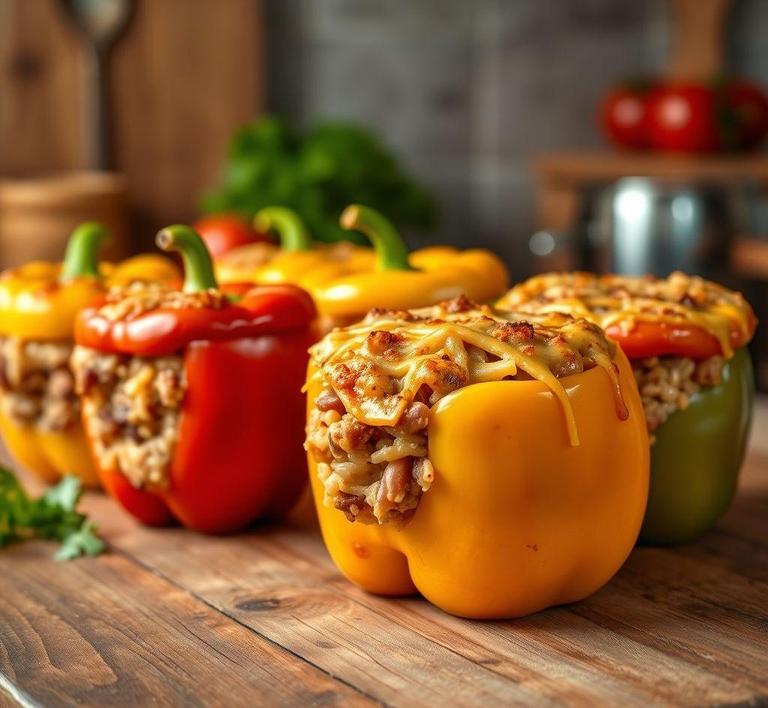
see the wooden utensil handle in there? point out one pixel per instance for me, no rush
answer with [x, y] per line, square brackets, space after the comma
[97, 110]
[697, 51]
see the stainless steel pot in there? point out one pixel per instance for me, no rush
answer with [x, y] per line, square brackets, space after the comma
[638, 225]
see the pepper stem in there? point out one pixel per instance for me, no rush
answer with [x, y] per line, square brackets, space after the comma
[80, 258]
[391, 251]
[198, 268]
[288, 226]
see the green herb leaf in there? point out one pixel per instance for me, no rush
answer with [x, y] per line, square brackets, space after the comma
[318, 174]
[65, 494]
[83, 542]
[52, 516]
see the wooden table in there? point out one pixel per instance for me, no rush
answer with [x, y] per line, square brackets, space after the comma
[171, 617]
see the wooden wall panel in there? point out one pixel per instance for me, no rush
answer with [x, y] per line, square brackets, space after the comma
[187, 74]
[183, 77]
[39, 89]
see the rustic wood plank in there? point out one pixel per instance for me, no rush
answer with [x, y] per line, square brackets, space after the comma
[6, 696]
[302, 604]
[588, 655]
[584, 167]
[676, 626]
[104, 631]
[187, 75]
[285, 585]
[659, 601]
[40, 85]
[747, 518]
[184, 76]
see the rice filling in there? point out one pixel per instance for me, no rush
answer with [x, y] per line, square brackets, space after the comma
[667, 383]
[37, 384]
[133, 408]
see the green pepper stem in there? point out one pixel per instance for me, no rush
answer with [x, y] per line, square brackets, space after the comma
[288, 226]
[391, 251]
[198, 268]
[81, 258]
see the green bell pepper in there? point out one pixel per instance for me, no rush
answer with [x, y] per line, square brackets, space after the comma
[697, 456]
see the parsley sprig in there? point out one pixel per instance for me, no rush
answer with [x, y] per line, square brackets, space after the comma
[51, 516]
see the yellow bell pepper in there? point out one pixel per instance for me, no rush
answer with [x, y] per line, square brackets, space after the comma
[39, 302]
[517, 517]
[296, 257]
[402, 280]
[347, 280]
[240, 264]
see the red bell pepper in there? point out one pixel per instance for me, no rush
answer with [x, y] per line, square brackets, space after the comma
[238, 454]
[647, 339]
[223, 232]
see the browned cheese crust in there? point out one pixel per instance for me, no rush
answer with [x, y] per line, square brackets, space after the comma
[368, 428]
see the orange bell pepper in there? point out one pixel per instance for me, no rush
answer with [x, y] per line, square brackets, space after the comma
[517, 517]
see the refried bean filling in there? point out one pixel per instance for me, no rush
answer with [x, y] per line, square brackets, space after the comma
[132, 406]
[367, 430]
[37, 384]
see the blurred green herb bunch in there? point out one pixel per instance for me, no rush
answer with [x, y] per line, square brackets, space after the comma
[317, 173]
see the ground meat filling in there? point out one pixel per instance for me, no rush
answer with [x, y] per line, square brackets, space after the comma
[367, 430]
[384, 469]
[667, 383]
[133, 407]
[37, 384]
[126, 303]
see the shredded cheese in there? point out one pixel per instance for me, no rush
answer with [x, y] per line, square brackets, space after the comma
[439, 347]
[624, 301]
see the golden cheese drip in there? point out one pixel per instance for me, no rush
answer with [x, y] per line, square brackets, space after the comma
[454, 337]
[624, 301]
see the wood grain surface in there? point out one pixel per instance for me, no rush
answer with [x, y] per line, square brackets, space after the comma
[40, 88]
[184, 76]
[587, 167]
[176, 618]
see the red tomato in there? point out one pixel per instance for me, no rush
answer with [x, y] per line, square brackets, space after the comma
[750, 109]
[623, 115]
[223, 232]
[683, 118]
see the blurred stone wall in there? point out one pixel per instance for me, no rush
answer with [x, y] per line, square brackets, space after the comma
[467, 91]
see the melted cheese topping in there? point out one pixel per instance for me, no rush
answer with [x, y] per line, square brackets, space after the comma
[137, 299]
[377, 367]
[609, 300]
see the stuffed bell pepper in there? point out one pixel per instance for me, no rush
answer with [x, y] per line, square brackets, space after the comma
[347, 280]
[191, 399]
[494, 463]
[39, 409]
[296, 258]
[398, 279]
[686, 339]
